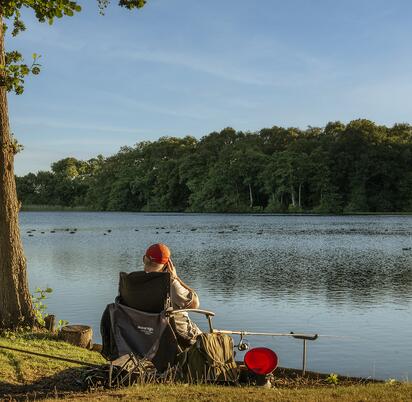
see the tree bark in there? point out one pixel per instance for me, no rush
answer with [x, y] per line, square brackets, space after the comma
[16, 307]
[300, 195]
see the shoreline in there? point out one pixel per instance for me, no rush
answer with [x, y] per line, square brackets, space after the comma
[58, 208]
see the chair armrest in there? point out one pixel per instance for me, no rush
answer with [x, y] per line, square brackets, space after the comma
[207, 313]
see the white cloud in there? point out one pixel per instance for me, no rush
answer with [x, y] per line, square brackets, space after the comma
[256, 61]
[149, 107]
[47, 123]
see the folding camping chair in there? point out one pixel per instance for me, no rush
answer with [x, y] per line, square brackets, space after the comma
[137, 329]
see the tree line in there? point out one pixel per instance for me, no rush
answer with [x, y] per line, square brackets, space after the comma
[357, 167]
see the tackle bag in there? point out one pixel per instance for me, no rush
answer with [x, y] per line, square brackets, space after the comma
[209, 359]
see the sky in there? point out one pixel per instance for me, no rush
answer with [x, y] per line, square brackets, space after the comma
[191, 67]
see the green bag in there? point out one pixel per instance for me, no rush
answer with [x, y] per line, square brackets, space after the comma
[209, 359]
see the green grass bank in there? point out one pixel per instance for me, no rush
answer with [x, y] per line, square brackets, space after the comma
[28, 377]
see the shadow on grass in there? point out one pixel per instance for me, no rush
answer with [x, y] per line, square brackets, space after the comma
[64, 382]
[73, 381]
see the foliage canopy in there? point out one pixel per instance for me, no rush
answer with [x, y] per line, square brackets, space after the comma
[358, 167]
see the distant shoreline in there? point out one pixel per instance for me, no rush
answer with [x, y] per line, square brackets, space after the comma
[59, 208]
[52, 208]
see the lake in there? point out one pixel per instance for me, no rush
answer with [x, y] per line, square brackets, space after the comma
[344, 276]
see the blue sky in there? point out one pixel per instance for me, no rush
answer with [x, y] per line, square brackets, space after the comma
[189, 67]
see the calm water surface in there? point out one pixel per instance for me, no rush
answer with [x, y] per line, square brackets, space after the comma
[343, 276]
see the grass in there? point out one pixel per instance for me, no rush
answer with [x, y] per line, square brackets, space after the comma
[200, 393]
[23, 373]
[26, 377]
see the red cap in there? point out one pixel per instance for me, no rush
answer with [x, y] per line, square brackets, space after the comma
[158, 253]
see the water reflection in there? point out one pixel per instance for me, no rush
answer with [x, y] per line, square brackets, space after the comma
[346, 277]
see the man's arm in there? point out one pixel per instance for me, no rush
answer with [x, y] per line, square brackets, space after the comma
[194, 303]
[194, 298]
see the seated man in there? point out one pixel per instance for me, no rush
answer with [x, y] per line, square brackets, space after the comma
[157, 259]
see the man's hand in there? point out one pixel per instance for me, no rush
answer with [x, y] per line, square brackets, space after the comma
[171, 269]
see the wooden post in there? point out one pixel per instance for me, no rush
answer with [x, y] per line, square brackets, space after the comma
[49, 322]
[78, 335]
[304, 358]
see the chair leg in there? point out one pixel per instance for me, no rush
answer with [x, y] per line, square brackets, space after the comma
[128, 377]
[119, 372]
[110, 374]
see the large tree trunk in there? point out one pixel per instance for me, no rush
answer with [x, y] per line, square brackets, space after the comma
[15, 301]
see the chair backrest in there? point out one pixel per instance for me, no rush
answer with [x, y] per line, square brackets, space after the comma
[149, 292]
[136, 322]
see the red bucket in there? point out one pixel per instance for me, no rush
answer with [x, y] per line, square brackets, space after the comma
[261, 361]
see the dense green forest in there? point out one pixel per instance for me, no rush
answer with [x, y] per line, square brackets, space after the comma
[358, 167]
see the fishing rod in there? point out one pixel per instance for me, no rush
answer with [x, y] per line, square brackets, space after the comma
[310, 337]
[242, 346]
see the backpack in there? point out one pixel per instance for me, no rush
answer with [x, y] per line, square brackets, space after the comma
[209, 359]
